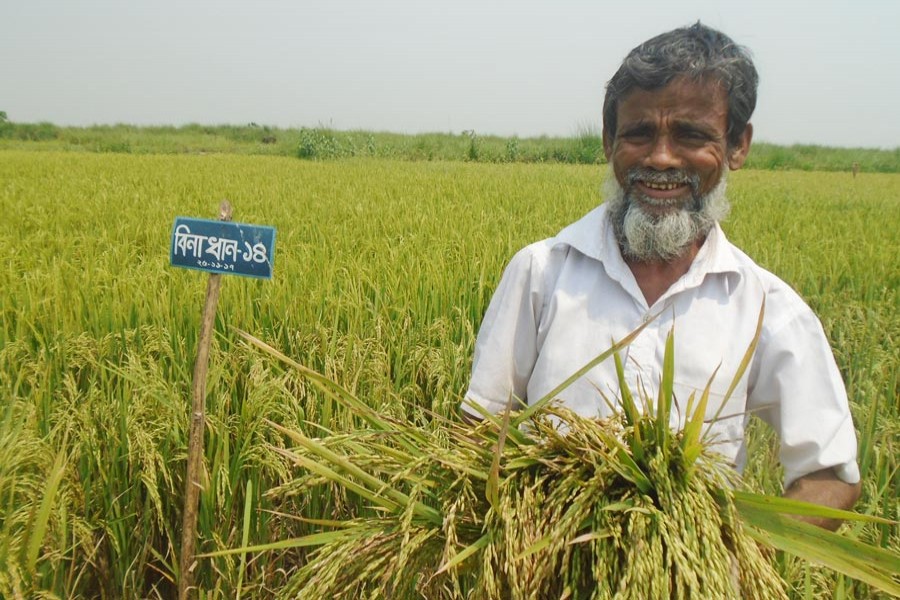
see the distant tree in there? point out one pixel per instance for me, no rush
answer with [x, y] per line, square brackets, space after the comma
[6, 126]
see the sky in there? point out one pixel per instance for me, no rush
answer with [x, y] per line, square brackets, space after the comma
[829, 69]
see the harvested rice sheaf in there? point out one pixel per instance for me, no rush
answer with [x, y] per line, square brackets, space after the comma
[568, 507]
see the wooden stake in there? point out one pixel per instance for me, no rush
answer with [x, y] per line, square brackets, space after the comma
[198, 426]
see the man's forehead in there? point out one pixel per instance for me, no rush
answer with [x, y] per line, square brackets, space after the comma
[687, 97]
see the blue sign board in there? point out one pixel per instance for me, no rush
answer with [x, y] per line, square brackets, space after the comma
[223, 247]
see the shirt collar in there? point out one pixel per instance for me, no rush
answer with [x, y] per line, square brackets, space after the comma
[593, 236]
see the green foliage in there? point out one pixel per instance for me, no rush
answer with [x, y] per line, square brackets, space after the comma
[472, 153]
[589, 145]
[28, 132]
[323, 143]
[822, 158]
[512, 149]
[318, 143]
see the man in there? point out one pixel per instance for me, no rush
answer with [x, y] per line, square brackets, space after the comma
[675, 120]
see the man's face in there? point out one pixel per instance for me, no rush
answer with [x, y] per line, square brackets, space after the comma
[670, 140]
[669, 157]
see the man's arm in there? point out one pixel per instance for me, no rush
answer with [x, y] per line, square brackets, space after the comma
[506, 346]
[827, 489]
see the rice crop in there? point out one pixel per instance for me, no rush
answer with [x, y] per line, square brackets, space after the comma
[567, 507]
[382, 273]
[617, 508]
[567, 521]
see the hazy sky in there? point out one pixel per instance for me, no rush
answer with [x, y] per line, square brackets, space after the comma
[830, 70]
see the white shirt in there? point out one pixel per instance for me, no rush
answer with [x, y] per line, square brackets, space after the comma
[563, 301]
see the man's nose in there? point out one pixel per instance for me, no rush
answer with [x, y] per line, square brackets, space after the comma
[663, 154]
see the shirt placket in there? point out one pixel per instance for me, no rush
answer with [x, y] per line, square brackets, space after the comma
[641, 364]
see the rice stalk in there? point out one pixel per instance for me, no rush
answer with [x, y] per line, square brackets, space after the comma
[581, 508]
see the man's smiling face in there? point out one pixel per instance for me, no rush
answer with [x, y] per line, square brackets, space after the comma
[669, 155]
[671, 135]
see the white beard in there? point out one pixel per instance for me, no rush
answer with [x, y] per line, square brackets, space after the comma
[646, 237]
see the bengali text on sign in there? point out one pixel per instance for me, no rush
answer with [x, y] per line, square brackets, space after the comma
[223, 247]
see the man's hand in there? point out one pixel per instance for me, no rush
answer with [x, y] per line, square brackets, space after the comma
[826, 488]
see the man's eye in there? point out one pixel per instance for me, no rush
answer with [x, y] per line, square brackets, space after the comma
[636, 134]
[694, 136]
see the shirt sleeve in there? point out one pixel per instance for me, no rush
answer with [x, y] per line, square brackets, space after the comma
[506, 347]
[797, 389]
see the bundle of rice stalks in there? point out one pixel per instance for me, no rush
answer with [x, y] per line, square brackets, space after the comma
[571, 517]
[543, 503]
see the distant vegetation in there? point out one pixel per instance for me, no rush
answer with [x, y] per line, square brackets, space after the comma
[322, 143]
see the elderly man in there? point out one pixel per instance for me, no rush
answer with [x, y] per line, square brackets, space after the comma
[675, 120]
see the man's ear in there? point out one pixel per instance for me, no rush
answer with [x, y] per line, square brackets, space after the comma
[737, 154]
[607, 145]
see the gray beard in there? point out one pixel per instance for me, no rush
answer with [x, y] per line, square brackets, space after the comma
[645, 237]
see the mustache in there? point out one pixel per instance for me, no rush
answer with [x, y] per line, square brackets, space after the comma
[676, 176]
[647, 237]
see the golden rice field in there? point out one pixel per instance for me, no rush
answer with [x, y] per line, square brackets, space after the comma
[383, 270]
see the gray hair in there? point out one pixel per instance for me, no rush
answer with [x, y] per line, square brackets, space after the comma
[698, 52]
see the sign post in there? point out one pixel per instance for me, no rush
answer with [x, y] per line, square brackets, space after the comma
[216, 247]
